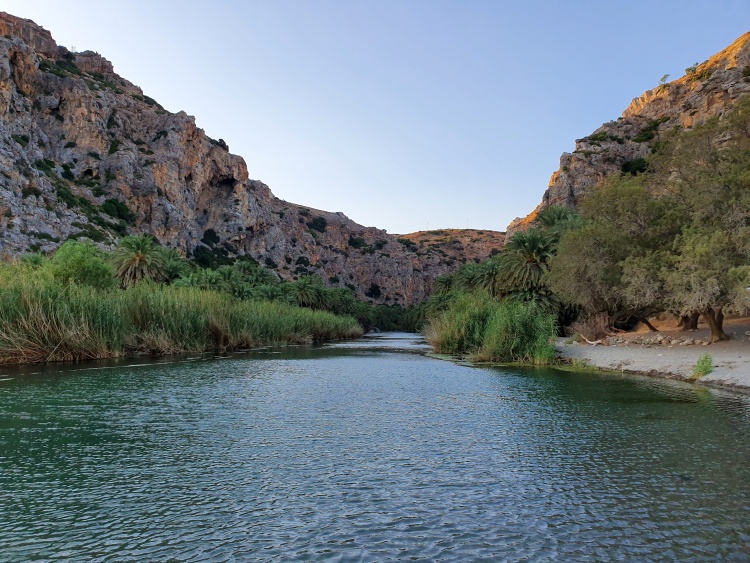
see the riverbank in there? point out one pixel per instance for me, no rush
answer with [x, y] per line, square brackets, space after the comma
[665, 353]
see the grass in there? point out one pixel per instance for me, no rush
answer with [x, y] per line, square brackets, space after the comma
[703, 367]
[478, 326]
[44, 320]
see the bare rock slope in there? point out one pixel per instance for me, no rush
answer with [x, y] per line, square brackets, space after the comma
[85, 154]
[706, 90]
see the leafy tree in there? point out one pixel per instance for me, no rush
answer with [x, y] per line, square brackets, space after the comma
[525, 260]
[174, 264]
[81, 263]
[309, 291]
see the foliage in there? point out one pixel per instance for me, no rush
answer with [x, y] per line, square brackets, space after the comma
[475, 324]
[138, 258]
[703, 367]
[44, 320]
[673, 238]
[318, 224]
[117, 210]
[81, 263]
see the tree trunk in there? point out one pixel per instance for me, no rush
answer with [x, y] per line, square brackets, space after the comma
[715, 320]
[689, 322]
[694, 316]
[651, 327]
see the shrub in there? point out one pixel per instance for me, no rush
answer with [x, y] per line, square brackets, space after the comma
[373, 291]
[635, 166]
[703, 367]
[475, 324]
[519, 332]
[81, 263]
[356, 242]
[117, 210]
[318, 224]
[210, 237]
[460, 329]
[22, 140]
[26, 192]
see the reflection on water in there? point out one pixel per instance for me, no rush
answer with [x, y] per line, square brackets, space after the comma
[367, 450]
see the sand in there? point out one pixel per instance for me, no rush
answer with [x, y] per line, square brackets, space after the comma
[730, 359]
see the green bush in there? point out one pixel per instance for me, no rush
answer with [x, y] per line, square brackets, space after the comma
[357, 242]
[318, 224]
[117, 210]
[476, 325]
[519, 332]
[703, 367]
[44, 320]
[81, 263]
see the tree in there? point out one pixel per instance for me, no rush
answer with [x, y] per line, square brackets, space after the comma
[309, 291]
[174, 264]
[525, 260]
[81, 263]
[706, 275]
[138, 258]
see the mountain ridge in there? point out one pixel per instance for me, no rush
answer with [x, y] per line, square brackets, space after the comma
[707, 89]
[84, 153]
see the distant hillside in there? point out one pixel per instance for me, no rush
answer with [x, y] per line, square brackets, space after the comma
[459, 246]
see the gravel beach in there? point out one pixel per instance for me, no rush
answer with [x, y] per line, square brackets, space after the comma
[730, 359]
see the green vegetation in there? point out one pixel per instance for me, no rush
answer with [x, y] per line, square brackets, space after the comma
[675, 238]
[357, 242]
[67, 307]
[477, 325]
[22, 140]
[318, 224]
[703, 367]
[43, 320]
[671, 234]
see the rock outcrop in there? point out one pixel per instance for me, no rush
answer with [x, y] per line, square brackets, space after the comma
[708, 89]
[85, 154]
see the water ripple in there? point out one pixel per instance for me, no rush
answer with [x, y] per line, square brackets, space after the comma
[368, 451]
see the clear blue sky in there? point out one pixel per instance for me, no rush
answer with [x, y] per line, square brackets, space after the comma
[401, 114]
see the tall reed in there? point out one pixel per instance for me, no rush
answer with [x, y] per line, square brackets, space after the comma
[44, 320]
[478, 326]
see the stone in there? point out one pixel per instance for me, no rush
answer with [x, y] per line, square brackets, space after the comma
[709, 91]
[68, 119]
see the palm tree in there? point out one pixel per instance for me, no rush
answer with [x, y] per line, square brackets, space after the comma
[489, 275]
[557, 219]
[138, 258]
[308, 291]
[174, 264]
[525, 260]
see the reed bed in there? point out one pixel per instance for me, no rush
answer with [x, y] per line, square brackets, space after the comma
[44, 320]
[478, 326]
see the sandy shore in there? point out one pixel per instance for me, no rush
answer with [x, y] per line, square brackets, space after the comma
[731, 359]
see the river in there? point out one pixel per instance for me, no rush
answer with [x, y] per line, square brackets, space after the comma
[366, 451]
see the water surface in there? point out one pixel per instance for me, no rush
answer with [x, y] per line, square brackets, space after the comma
[367, 451]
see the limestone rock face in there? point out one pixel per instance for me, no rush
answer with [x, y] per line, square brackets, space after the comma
[707, 90]
[85, 154]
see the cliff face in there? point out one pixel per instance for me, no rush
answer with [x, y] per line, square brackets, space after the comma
[707, 90]
[85, 154]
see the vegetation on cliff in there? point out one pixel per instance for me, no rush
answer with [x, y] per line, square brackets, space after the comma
[675, 238]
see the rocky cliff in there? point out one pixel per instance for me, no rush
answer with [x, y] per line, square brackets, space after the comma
[706, 90]
[86, 154]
